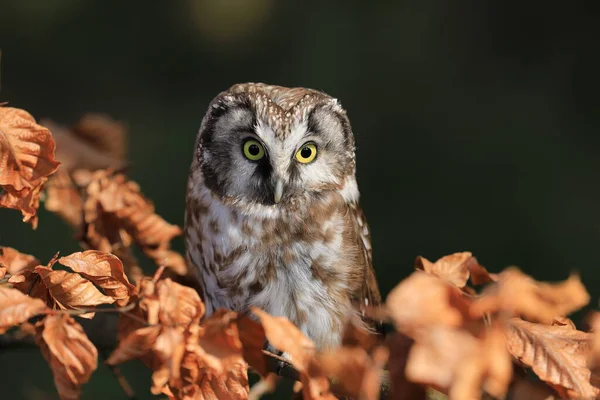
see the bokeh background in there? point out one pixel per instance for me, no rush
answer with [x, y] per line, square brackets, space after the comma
[476, 121]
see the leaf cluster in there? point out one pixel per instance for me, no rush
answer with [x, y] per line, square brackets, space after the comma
[457, 329]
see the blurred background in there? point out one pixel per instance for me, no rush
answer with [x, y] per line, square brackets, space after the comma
[476, 121]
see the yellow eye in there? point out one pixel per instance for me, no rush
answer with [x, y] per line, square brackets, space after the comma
[253, 150]
[307, 153]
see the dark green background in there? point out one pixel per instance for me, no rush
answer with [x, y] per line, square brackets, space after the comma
[476, 122]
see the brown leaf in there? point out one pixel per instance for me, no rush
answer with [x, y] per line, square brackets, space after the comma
[220, 339]
[358, 375]
[26, 152]
[489, 368]
[453, 268]
[15, 261]
[104, 270]
[460, 364]
[95, 142]
[286, 337]
[422, 301]
[169, 348]
[135, 345]
[68, 351]
[71, 291]
[26, 161]
[232, 386]
[557, 354]
[252, 336]
[28, 204]
[63, 198]
[16, 308]
[178, 304]
[116, 213]
[518, 294]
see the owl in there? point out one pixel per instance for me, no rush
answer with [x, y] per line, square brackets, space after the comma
[272, 216]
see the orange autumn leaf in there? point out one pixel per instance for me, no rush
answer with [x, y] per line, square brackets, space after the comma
[490, 369]
[26, 160]
[453, 268]
[16, 308]
[95, 142]
[220, 339]
[26, 152]
[252, 336]
[286, 337]
[169, 349]
[518, 294]
[135, 345]
[207, 385]
[460, 364]
[15, 261]
[103, 269]
[63, 197]
[179, 305]
[357, 374]
[68, 351]
[116, 213]
[557, 354]
[71, 291]
[28, 204]
[423, 300]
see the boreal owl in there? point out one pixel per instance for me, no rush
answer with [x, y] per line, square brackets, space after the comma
[272, 216]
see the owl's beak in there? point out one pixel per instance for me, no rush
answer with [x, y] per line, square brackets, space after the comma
[278, 190]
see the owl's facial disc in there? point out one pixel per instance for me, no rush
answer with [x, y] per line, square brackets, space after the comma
[246, 159]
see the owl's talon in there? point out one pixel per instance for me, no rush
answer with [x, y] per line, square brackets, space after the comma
[280, 367]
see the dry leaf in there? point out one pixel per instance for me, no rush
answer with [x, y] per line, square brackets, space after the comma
[460, 364]
[135, 345]
[26, 161]
[557, 354]
[232, 386]
[68, 351]
[63, 197]
[71, 291]
[220, 339]
[116, 213]
[26, 152]
[358, 375]
[489, 368]
[28, 204]
[252, 336]
[95, 142]
[422, 301]
[104, 270]
[179, 305]
[168, 349]
[518, 294]
[15, 261]
[16, 308]
[453, 268]
[286, 337]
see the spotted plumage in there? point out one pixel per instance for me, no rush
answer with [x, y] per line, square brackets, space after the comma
[272, 216]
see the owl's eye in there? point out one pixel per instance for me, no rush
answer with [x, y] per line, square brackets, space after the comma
[307, 153]
[253, 150]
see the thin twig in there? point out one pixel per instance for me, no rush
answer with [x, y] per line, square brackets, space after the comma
[86, 310]
[127, 389]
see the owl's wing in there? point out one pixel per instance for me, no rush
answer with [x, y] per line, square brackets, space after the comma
[369, 295]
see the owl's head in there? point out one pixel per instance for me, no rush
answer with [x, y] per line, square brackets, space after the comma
[269, 145]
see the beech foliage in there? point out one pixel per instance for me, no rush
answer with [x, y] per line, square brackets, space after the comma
[456, 329]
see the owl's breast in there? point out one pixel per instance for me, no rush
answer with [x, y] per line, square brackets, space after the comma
[297, 266]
